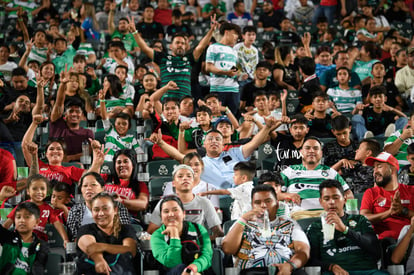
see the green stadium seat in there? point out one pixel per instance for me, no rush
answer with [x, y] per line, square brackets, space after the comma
[225, 204]
[217, 261]
[304, 223]
[227, 225]
[161, 168]
[53, 264]
[265, 151]
[156, 187]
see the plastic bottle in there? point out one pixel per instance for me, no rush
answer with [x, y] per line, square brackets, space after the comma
[86, 157]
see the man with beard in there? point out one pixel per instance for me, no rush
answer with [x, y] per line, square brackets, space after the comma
[176, 66]
[304, 179]
[389, 205]
[269, 20]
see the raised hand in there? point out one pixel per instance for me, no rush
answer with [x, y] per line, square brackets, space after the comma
[171, 85]
[32, 148]
[131, 24]
[65, 75]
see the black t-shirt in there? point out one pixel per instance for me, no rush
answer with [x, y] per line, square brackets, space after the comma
[289, 73]
[360, 178]
[270, 21]
[321, 127]
[377, 122]
[286, 153]
[173, 29]
[15, 130]
[392, 92]
[250, 88]
[11, 95]
[306, 92]
[286, 38]
[150, 30]
[333, 152]
[389, 67]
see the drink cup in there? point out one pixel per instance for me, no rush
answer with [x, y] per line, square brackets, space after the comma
[313, 270]
[352, 206]
[327, 229]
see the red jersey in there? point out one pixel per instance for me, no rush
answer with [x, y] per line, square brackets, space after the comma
[125, 191]
[378, 200]
[61, 173]
[60, 215]
[6, 169]
[46, 216]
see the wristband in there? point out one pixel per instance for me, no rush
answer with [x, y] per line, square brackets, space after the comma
[401, 139]
[241, 223]
[227, 110]
[191, 269]
[102, 100]
[295, 267]
[346, 230]
[135, 32]
[331, 267]
[242, 220]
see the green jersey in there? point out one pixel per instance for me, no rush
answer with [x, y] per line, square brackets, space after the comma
[345, 100]
[128, 40]
[306, 183]
[177, 69]
[343, 250]
[402, 152]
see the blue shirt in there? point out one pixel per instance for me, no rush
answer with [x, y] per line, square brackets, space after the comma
[219, 171]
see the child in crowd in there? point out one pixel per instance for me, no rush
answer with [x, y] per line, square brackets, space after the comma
[23, 252]
[406, 174]
[241, 193]
[37, 186]
[342, 148]
[213, 102]
[323, 60]
[61, 196]
[344, 97]
[358, 174]
[149, 86]
[319, 120]
[121, 72]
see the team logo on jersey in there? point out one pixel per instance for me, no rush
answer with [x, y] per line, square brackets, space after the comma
[267, 149]
[185, 58]
[163, 170]
[324, 173]
[169, 57]
[352, 223]
[381, 201]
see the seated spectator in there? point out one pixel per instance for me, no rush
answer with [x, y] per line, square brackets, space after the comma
[388, 205]
[6, 66]
[304, 179]
[367, 57]
[323, 60]
[117, 55]
[199, 210]
[239, 16]
[377, 117]
[319, 121]
[8, 169]
[406, 174]
[378, 78]
[390, 62]
[344, 97]
[321, 28]
[12, 242]
[195, 161]
[288, 147]
[133, 194]
[18, 86]
[192, 11]
[148, 28]
[403, 79]
[404, 248]
[274, 180]
[64, 53]
[381, 23]
[368, 32]
[304, 13]
[350, 231]
[37, 186]
[61, 196]
[212, 101]
[260, 82]
[214, 7]
[397, 143]
[269, 19]
[131, 9]
[287, 34]
[74, 89]
[251, 246]
[121, 72]
[397, 12]
[285, 74]
[178, 26]
[106, 240]
[358, 174]
[163, 13]
[328, 78]
[168, 241]
[90, 185]
[114, 100]
[122, 31]
[241, 193]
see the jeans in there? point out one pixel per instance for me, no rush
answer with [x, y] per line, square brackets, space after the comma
[177, 270]
[359, 129]
[328, 11]
[231, 100]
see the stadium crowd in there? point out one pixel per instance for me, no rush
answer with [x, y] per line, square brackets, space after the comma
[279, 132]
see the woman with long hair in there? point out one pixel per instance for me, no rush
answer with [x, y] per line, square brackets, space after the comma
[106, 244]
[75, 88]
[131, 192]
[89, 25]
[285, 73]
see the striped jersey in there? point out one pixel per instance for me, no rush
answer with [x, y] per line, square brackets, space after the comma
[114, 142]
[113, 102]
[224, 58]
[401, 156]
[306, 183]
[345, 100]
[85, 49]
[177, 69]
[38, 54]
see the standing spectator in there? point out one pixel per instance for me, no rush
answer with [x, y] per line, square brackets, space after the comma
[240, 16]
[102, 16]
[89, 25]
[221, 61]
[285, 73]
[304, 13]
[326, 8]
[148, 28]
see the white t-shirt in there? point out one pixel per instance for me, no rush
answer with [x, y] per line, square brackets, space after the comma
[242, 199]
[6, 69]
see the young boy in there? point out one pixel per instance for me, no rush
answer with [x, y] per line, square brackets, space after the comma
[319, 121]
[286, 36]
[377, 117]
[60, 198]
[406, 175]
[128, 90]
[243, 179]
[357, 173]
[192, 138]
[324, 60]
[247, 55]
[344, 97]
[213, 102]
[23, 252]
[341, 148]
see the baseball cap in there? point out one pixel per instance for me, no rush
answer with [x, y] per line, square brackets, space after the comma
[222, 119]
[383, 157]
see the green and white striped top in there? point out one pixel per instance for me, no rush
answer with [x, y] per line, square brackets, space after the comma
[345, 100]
[401, 156]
